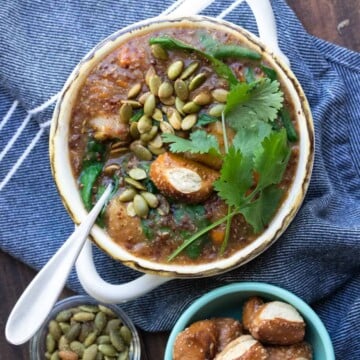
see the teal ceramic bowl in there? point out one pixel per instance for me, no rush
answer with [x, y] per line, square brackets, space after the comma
[228, 301]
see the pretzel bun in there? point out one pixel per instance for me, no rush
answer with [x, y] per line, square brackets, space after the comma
[301, 351]
[244, 347]
[182, 179]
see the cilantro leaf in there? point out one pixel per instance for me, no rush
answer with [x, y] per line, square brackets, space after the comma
[205, 119]
[247, 140]
[259, 100]
[235, 178]
[271, 159]
[199, 142]
[259, 213]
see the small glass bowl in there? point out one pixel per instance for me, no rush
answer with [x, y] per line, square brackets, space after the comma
[38, 341]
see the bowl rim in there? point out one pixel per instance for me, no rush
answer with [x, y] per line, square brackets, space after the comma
[282, 218]
[262, 288]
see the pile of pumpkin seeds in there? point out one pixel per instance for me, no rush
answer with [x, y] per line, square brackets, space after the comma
[139, 200]
[88, 332]
[168, 105]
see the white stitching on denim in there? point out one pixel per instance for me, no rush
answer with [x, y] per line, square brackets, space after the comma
[20, 160]
[8, 114]
[229, 9]
[15, 136]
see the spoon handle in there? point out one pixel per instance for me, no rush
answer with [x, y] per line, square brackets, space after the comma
[36, 302]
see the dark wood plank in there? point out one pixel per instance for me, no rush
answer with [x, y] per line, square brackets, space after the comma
[321, 18]
[337, 21]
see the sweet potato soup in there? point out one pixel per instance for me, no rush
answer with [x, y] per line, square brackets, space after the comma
[197, 136]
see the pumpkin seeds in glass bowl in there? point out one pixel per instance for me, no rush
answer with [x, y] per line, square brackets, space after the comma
[92, 328]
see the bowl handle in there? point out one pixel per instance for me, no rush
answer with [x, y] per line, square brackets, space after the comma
[266, 25]
[105, 292]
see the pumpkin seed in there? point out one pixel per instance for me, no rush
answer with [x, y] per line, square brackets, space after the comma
[55, 330]
[181, 89]
[203, 98]
[89, 308]
[64, 326]
[124, 355]
[149, 105]
[168, 101]
[188, 122]
[156, 142]
[166, 128]
[220, 95]
[217, 110]
[134, 91]
[191, 107]
[73, 332]
[175, 119]
[156, 150]
[90, 339]
[144, 124]
[179, 104]
[175, 69]
[134, 132]
[50, 343]
[142, 152]
[126, 334]
[151, 72]
[157, 115]
[107, 311]
[165, 90]
[63, 316]
[55, 356]
[63, 343]
[78, 348]
[116, 340]
[130, 209]
[134, 104]
[197, 81]
[137, 185]
[103, 339]
[90, 352]
[110, 169]
[125, 113]
[189, 70]
[86, 329]
[107, 349]
[154, 84]
[140, 206]
[145, 138]
[119, 151]
[151, 199]
[125, 196]
[143, 97]
[83, 316]
[159, 52]
[137, 174]
[68, 355]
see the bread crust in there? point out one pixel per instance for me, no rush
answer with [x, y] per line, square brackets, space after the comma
[182, 179]
[292, 352]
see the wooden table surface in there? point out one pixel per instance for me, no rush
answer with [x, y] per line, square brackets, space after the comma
[337, 21]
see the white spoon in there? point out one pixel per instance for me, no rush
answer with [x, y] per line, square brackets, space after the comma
[39, 297]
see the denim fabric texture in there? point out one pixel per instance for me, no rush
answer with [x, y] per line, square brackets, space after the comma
[318, 257]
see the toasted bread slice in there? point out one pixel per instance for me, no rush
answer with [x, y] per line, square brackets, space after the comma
[182, 179]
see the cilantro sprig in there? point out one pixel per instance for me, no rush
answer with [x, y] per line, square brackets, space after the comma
[256, 159]
[199, 142]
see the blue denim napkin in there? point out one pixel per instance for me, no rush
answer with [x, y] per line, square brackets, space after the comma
[318, 256]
